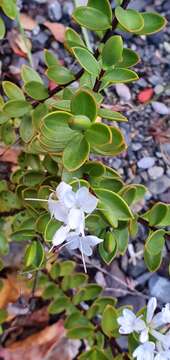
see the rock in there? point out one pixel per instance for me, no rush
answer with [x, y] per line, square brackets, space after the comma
[68, 8]
[154, 79]
[159, 287]
[123, 92]
[160, 108]
[155, 172]
[158, 89]
[100, 279]
[156, 39]
[54, 11]
[136, 146]
[137, 270]
[165, 197]
[117, 281]
[138, 5]
[40, 1]
[137, 302]
[146, 162]
[159, 186]
[167, 47]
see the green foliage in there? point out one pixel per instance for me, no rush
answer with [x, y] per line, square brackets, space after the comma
[60, 131]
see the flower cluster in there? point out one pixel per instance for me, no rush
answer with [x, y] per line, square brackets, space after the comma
[71, 208]
[152, 331]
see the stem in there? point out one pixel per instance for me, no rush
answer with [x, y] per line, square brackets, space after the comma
[24, 38]
[107, 35]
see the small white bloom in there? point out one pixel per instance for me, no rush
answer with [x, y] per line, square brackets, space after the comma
[163, 355]
[83, 243]
[130, 322]
[166, 314]
[145, 351]
[61, 235]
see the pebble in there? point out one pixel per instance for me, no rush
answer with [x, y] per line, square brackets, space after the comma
[68, 8]
[160, 108]
[155, 172]
[158, 89]
[123, 92]
[136, 146]
[159, 186]
[40, 1]
[54, 11]
[146, 162]
[159, 287]
[167, 47]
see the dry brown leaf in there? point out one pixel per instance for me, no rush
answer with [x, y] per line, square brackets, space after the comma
[58, 30]
[11, 290]
[17, 43]
[27, 22]
[9, 155]
[37, 346]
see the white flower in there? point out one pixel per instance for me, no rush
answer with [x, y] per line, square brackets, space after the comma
[163, 355]
[166, 314]
[129, 322]
[83, 243]
[70, 208]
[145, 351]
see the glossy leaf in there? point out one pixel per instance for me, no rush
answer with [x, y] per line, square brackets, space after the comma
[155, 242]
[152, 262]
[86, 293]
[103, 6]
[12, 91]
[83, 103]
[73, 160]
[9, 8]
[28, 74]
[89, 17]
[80, 332]
[36, 90]
[129, 58]
[113, 207]
[94, 354]
[111, 115]
[2, 29]
[130, 19]
[34, 255]
[60, 74]
[16, 108]
[112, 51]
[26, 129]
[86, 60]
[109, 321]
[98, 134]
[4, 246]
[153, 23]
[72, 38]
[50, 58]
[119, 75]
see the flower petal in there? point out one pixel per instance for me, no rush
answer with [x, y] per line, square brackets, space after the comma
[57, 210]
[60, 235]
[86, 201]
[86, 248]
[76, 219]
[61, 189]
[151, 307]
[144, 336]
[73, 242]
[93, 240]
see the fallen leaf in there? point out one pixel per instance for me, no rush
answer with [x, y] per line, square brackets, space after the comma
[27, 22]
[9, 155]
[11, 290]
[37, 346]
[58, 30]
[145, 95]
[17, 43]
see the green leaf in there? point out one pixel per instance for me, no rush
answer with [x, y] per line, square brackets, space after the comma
[17, 108]
[12, 91]
[84, 103]
[119, 75]
[34, 255]
[60, 74]
[59, 305]
[130, 58]
[113, 207]
[86, 60]
[74, 281]
[50, 58]
[2, 29]
[152, 262]
[52, 291]
[157, 214]
[94, 354]
[36, 90]
[38, 114]
[94, 169]
[109, 321]
[8, 133]
[3, 118]
[155, 242]
[75, 320]
[79, 122]
[4, 246]
[3, 315]
[86, 293]
[9, 8]
[67, 267]
[108, 248]
[72, 38]
[122, 238]
[103, 6]
[112, 51]
[80, 332]
[73, 160]
[153, 23]
[98, 134]
[51, 229]
[26, 129]
[32, 178]
[89, 17]
[111, 115]
[130, 19]
[28, 74]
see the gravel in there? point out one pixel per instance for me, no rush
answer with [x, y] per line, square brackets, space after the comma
[159, 287]
[155, 172]
[146, 162]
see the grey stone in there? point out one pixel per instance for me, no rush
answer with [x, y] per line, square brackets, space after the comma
[137, 270]
[54, 11]
[136, 146]
[160, 108]
[158, 89]
[40, 1]
[159, 186]
[154, 80]
[68, 8]
[123, 92]
[167, 46]
[146, 162]
[155, 172]
[160, 288]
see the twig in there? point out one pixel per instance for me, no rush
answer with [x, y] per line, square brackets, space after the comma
[78, 75]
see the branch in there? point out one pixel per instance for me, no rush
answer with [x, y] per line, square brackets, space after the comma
[78, 75]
